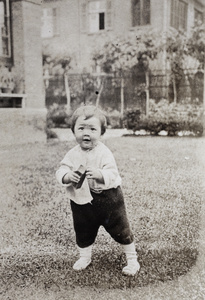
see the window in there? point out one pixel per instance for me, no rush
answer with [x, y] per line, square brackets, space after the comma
[179, 11]
[5, 34]
[198, 17]
[96, 16]
[140, 12]
[50, 26]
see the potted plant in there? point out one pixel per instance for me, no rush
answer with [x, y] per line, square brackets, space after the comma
[6, 80]
[19, 86]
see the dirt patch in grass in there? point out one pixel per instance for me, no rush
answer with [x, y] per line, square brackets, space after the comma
[162, 188]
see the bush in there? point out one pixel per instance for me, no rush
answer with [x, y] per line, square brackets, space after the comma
[131, 119]
[170, 117]
[114, 119]
[57, 116]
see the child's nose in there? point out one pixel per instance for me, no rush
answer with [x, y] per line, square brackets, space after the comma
[86, 131]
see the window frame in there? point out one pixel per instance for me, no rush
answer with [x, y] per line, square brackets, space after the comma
[54, 20]
[7, 60]
[85, 16]
[175, 18]
[97, 14]
[139, 22]
[198, 12]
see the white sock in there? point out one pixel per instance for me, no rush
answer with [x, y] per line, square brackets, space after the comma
[84, 260]
[133, 265]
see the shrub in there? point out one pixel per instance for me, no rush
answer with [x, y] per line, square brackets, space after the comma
[50, 134]
[57, 116]
[114, 119]
[132, 120]
[170, 117]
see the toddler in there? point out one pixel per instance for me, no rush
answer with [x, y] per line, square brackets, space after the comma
[99, 200]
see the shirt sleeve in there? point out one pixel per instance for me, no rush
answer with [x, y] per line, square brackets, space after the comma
[109, 171]
[66, 166]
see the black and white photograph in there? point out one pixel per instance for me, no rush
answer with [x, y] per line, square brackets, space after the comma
[102, 149]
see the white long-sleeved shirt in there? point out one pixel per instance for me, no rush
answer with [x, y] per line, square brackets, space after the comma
[101, 158]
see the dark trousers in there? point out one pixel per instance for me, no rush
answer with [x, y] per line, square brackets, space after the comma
[106, 209]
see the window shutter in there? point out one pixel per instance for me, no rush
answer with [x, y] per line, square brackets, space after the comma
[146, 12]
[56, 29]
[109, 16]
[83, 16]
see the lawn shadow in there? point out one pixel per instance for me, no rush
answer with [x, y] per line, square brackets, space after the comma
[105, 270]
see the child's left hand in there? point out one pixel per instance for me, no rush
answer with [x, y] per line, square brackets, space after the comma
[92, 173]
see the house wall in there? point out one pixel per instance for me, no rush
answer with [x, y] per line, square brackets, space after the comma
[68, 41]
[26, 125]
[81, 44]
[27, 49]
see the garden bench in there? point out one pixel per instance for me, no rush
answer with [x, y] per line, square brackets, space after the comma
[12, 100]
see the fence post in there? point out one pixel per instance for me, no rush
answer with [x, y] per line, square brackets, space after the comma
[204, 101]
[122, 85]
[101, 84]
[67, 90]
[147, 92]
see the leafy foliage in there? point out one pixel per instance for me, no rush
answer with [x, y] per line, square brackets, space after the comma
[196, 43]
[56, 65]
[58, 117]
[170, 117]
[114, 118]
[121, 55]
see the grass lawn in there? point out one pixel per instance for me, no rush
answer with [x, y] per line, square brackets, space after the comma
[162, 184]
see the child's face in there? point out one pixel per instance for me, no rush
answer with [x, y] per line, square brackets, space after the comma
[87, 132]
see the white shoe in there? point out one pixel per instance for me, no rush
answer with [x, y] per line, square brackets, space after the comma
[81, 263]
[85, 258]
[132, 267]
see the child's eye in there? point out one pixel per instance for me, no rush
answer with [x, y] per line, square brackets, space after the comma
[93, 129]
[80, 128]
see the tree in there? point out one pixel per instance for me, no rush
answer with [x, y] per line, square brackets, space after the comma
[57, 65]
[148, 47]
[176, 50]
[121, 55]
[196, 48]
[115, 57]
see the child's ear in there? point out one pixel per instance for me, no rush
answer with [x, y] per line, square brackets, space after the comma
[103, 130]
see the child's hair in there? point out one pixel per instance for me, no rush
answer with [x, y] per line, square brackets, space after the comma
[89, 112]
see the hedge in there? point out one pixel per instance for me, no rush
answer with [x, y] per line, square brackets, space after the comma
[164, 116]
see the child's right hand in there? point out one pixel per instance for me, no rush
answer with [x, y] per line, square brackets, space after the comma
[71, 177]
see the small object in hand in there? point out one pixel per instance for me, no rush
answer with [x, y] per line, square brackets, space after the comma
[81, 171]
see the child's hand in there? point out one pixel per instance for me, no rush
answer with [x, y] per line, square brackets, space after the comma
[92, 173]
[71, 177]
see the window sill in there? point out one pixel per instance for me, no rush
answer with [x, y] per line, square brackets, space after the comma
[98, 32]
[51, 37]
[6, 61]
[133, 28]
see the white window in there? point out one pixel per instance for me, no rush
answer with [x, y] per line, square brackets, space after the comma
[96, 15]
[50, 26]
[140, 12]
[5, 35]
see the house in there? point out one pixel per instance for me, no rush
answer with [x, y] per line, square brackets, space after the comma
[77, 26]
[21, 47]
[21, 63]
